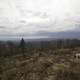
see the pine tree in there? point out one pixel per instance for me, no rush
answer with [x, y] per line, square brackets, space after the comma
[22, 46]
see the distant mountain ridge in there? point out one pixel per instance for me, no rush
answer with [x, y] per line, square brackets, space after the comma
[42, 35]
[63, 34]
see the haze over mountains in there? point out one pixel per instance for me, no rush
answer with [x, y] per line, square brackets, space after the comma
[45, 36]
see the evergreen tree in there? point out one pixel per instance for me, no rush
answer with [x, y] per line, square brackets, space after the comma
[22, 45]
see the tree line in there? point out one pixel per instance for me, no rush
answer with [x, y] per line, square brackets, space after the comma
[10, 48]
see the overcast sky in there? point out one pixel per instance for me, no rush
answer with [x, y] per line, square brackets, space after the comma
[33, 16]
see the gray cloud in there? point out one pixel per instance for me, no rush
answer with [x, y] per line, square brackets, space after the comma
[28, 17]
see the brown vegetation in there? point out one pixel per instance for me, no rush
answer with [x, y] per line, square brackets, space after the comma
[39, 63]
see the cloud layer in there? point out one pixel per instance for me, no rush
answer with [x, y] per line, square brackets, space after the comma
[19, 17]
